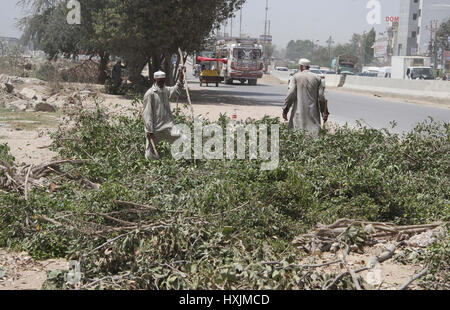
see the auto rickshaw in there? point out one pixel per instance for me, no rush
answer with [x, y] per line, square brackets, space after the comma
[209, 76]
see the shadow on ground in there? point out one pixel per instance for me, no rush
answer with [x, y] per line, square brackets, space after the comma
[236, 94]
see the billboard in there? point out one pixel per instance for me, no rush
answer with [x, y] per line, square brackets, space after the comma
[380, 48]
[447, 56]
[265, 39]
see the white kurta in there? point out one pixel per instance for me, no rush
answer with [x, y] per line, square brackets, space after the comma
[305, 92]
[158, 117]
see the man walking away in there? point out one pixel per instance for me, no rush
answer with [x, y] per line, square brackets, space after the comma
[307, 100]
[158, 118]
[197, 69]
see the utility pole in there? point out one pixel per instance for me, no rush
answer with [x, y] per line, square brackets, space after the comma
[266, 59]
[231, 30]
[224, 28]
[432, 47]
[267, 15]
[330, 43]
[240, 26]
[435, 44]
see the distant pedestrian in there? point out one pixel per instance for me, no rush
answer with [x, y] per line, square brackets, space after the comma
[197, 69]
[306, 98]
[116, 75]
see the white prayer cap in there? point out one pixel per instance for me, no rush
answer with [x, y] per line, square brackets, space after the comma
[159, 75]
[304, 62]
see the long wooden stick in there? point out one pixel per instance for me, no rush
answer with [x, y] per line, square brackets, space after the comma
[186, 86]
[325, 111]
[26, 182]
[152, 142]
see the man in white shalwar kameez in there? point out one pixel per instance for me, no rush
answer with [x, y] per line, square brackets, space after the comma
[306, 98]
[158, 117]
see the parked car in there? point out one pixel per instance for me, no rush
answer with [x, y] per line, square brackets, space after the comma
[318, 72]
[369, 74]
[385, 72]
[282, 69]
[420, 73]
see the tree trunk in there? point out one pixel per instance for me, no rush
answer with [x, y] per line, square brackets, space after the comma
[176, 72]
[168, 68]
[103, 67]
[156, 65]
[135, 65]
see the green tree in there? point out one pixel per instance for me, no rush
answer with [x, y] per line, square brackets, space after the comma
[299, 49]
[134, 30]
[48, 29]
[443, 34]
[343, 49]
[368, 42]
[143, 29]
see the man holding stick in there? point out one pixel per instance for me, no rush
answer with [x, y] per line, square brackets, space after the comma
[158, 117]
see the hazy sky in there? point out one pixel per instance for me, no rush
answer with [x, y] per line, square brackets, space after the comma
[290, 19]
[8, 13]
[311, 19]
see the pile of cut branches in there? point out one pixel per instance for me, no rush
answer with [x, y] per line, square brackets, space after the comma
[215, 224]
[24, 178]
[327, 238]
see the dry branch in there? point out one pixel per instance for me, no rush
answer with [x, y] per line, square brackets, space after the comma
[324, 236]
[416, 277]
[22, 179]
[390, 250]
[26, 182]
[352, 273]
[51, 221]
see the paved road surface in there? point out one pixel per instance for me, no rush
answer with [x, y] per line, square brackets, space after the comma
[345, 107]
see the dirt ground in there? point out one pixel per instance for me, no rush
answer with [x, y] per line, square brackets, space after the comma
[388, 276]
[18, 271]
[28, 135]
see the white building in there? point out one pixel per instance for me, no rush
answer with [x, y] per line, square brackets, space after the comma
[416, 18]
[433, 14]
[7, 43]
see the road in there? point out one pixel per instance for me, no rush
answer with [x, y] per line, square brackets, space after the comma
[345, 107]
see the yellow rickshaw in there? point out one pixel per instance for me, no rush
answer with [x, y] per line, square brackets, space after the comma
[209, 76]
